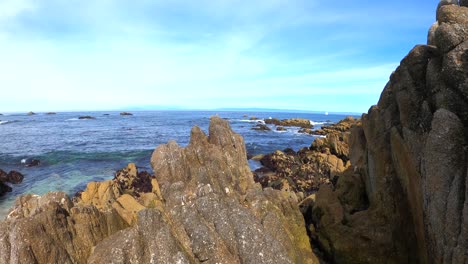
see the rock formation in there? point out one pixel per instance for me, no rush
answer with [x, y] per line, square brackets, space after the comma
[305, 171]
[202, 205]
[13, 177]
[261, 127]
[408, 161]
[297, 122]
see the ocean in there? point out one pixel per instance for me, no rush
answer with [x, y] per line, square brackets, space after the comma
[73, 152]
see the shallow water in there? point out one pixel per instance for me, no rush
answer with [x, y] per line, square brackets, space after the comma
[74, 152]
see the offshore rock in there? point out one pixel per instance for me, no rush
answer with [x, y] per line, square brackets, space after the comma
[296, 122]
[305, 171]
[201, 206]
[404, 198]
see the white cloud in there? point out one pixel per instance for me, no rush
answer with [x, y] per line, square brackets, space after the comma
[9, 9]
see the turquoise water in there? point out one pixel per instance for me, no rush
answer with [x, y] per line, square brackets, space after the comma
[73, 152]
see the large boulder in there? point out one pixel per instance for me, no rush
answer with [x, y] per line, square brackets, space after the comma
[404, 198]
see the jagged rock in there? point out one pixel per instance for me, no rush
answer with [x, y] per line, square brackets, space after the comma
[207, 209]
[50, 229]
[404, 198]
[304, 171]
[133, 181]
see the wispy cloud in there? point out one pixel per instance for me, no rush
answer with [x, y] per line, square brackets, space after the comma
[105, 54]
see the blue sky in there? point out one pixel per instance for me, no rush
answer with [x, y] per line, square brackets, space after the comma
[59, 55]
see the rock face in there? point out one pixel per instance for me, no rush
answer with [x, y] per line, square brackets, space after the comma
[201, 206]
[409, 161]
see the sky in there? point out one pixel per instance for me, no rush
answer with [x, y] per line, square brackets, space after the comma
[71, 55]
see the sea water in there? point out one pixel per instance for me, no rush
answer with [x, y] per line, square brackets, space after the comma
[73, 151]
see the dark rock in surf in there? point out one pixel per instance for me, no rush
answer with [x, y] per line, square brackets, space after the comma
[261, 127]
[15, 177]
[31, 113]
[86, 117]
[126, 114]
[30, 162]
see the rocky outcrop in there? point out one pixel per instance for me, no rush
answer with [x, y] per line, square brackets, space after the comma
[305, 171]
[261, 127]
[13, 177]
[296, 122]
[126, 114]
[31, 113]
[408, 162]
[202, 205]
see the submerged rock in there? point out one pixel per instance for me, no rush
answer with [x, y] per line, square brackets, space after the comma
[404, 198]
[202, 206]
[51, 113]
